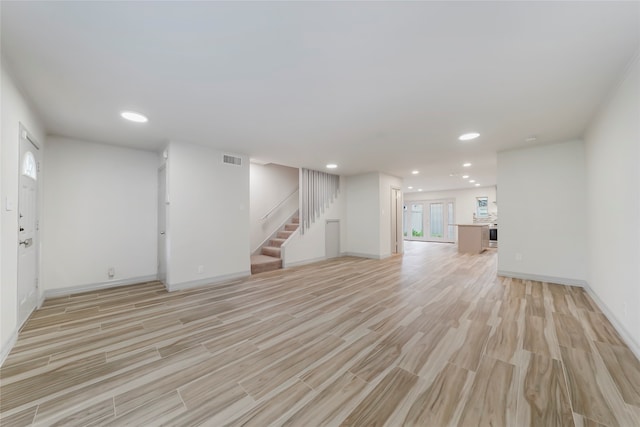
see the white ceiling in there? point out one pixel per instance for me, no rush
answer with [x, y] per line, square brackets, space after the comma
[371, 86]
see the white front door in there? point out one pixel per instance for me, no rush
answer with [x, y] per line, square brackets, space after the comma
[28, 224]
[162, 224]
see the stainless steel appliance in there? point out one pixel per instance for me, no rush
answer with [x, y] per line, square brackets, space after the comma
[493, 236]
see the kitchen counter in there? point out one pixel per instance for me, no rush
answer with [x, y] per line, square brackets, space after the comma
[473, 238]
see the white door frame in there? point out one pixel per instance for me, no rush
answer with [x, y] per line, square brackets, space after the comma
[396, 220]
[28, 240]
[162, 224]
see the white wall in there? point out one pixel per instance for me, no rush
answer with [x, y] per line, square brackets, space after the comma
[613, 203]
[543, 232]
[363, 215]
[465, 200]
[269, 185]
[386, 183]
[310, 246]
[100, 211]
[208, 216]
[14, 110]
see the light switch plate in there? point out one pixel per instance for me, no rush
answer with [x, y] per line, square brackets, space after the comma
[9, 205]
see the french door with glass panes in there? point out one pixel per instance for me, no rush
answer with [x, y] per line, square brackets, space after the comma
[430, 220]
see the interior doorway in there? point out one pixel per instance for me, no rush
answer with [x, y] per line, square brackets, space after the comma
[28, 225]
[162, 224]
[396, 221]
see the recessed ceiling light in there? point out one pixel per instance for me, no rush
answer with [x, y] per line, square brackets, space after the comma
[465, 176]
[466, 165]
[472, 181]
[134, 117]
[530, 139]
[415, 172]
[477, 185]
[419, 189]
[410, 187]
[332, 166]
[468, 136]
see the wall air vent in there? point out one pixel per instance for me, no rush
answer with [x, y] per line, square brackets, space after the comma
[232, 160]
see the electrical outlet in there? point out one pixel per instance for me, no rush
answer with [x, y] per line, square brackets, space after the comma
[200, 269]
[518, 257]
[111, 272]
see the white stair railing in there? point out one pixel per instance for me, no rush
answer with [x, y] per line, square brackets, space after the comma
[317, 191]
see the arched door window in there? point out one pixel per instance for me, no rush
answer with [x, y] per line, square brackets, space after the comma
[29, 166]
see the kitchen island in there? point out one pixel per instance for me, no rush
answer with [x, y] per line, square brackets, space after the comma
[473, 238]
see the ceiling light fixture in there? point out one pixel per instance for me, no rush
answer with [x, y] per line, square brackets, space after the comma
[419, 189]
[466, 165]
[472, 181]
[415, 172]
[530, 139]
[134, 117]
[477, 185]
[332, 166]
[468, 136]
[465, 176]
[410, 187]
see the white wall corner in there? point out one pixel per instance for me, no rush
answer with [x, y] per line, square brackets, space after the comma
[8, 346]
[619, 327]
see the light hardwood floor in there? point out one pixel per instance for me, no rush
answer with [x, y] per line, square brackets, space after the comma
[431, 338]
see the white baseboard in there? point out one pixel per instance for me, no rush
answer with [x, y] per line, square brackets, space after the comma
[619, 327]
[208, 281]
[303, 262]
[540, 278]
[362, 255]
[609, 314]
[97, 286]
[8, 346]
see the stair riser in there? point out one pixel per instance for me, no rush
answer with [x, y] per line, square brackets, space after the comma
[261, 268]
[284, 234]
[276, 243]
[295, 220]
[291, 227]
[270, 251]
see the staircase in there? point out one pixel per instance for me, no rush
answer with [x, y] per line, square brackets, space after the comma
[269, 258]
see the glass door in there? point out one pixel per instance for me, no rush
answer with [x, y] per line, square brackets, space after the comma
[430, 220]
[417, 221]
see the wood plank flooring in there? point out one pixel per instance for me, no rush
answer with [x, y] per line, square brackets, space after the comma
[431, 338]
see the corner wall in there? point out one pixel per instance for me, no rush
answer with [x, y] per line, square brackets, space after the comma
[100, 211]
[363, 215]
[207, 217]
[14, 110]
[543, 232]
[368, 200]
[613, 205]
